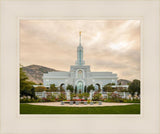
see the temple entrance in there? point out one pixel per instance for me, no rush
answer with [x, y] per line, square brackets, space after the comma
[80, 87]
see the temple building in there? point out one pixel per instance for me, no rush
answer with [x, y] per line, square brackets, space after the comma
[79, 75]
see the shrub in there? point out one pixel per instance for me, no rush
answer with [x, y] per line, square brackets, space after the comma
[121, 89]
[40, 89]
[70, 87]
[86, 95]
[80, 96]
[72, 95]
[53, 88]
[90, 87]
[61, 97]
[51, 98]
[97, 96]
[131, 101]
[115, 97]
[108, 88]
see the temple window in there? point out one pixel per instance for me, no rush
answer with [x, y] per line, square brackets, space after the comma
[80, 74]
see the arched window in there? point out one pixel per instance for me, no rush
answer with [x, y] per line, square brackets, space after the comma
[62, 85]
[98, 87]
[80, 74]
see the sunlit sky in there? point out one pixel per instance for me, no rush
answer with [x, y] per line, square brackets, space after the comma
[108, 45]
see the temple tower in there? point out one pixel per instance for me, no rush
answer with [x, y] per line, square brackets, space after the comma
[80, 61]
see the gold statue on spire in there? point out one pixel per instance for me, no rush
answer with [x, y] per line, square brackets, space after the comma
[80, 38]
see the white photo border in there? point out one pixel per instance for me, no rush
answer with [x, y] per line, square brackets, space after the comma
[145, 11]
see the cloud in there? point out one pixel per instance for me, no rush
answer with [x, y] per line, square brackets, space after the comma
[109, 45]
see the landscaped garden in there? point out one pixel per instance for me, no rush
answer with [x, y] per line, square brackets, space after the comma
[111, 97]
[33, 99]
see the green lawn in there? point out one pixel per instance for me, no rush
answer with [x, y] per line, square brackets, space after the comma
[34, 109]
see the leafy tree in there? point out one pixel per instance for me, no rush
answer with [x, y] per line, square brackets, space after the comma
[90, 87]
[33, 93]
[70, 87]
[134, 87]
[53, 88]
[75, 89]
[85, 89]
[40, 89]
[26, 87]
[121, 89]
[108, 88]
[111, 84]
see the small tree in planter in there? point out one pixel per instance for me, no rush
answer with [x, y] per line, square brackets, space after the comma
[72, 95]
[85, 89]
[70, 87]
[75, 89]
[90, 87]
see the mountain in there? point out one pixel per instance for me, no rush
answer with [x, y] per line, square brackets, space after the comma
[35, 72]
[123, 82]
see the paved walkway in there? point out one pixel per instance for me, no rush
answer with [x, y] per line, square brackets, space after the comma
[80, 105]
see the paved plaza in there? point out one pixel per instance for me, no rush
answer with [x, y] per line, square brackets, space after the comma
[80, 105]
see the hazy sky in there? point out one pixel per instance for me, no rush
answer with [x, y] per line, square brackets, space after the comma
[108, 45]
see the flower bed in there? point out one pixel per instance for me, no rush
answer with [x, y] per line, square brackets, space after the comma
[78, 100]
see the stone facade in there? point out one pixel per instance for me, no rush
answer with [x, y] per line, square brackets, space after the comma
[79, 75]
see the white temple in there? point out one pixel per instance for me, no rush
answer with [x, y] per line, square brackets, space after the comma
[79, 75]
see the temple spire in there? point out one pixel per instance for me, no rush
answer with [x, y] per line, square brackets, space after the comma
[80, 38]
[80, 60]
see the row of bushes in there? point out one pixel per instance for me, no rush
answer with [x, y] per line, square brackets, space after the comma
[27, 100]
[122, 100]
[50, 98]
[113, 97]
